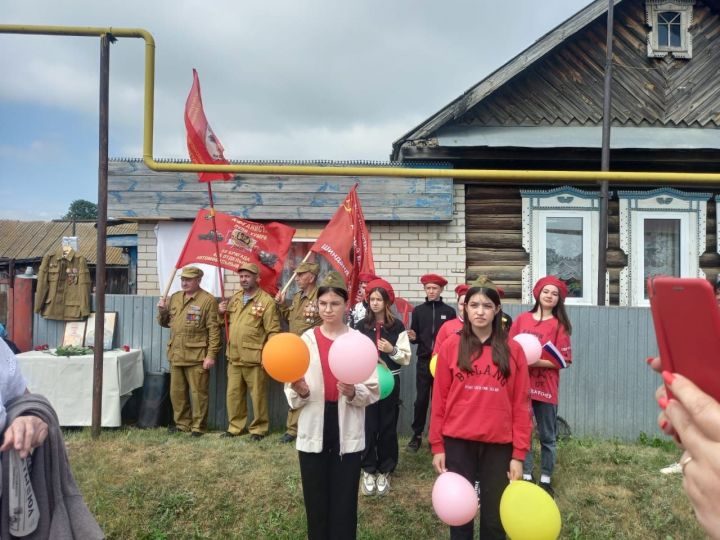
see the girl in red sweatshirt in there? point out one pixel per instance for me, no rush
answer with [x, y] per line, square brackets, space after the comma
[549, 322]
[480, 422]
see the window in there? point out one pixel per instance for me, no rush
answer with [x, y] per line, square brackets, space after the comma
[669, 22]
[668, 29]
[663, 233]
[560, 231]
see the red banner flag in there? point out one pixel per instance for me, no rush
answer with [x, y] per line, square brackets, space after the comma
[345, 242]
[404, 310]
[203, 145]
[239, 242]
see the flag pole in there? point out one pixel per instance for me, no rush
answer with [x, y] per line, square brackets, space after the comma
[285, 288]
[169, 283]
[217, 255]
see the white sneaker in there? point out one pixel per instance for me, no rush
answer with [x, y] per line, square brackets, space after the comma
[367, 483]
[383, 483]
[675, 468]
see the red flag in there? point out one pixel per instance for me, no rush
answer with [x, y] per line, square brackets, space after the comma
[345, 242]
[404, 309]
[203, 144]
[239, 242]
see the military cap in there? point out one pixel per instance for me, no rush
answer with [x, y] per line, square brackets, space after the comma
[486, 283]
[380, 284]
[335, 280]
[313, 268]
[249, 267]
[191, 272]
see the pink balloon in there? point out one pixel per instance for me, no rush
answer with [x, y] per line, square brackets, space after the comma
[531, 345]
[352, 358]
[454, 499]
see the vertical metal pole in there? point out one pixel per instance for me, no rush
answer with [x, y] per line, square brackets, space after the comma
[605, 157]
[101, 234]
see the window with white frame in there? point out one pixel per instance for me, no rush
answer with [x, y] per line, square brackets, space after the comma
[560, 231]
[662, 232]
[669, 22]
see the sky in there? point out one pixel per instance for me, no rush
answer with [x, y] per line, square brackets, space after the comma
[281, 79]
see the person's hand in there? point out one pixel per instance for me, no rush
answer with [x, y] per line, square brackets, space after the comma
[208, 363]
[162, 303]
[301, 388]
[695, 417]
[347, 390]
[411, 335]
[24, 434]
[385, 346]
[222, 307]
[439, 462]
[280, 297]
[515, 471]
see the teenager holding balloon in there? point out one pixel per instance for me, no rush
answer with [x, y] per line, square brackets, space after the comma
[480, 423]
[331, 426]
[380, 456]
[548, 321]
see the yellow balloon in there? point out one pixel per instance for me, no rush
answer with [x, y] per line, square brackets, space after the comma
[527, 512]
[433, 364]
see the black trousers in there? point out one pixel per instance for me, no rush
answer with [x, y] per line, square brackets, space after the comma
[330, 485]
[381, 440]
[423, 386]
[487, 463]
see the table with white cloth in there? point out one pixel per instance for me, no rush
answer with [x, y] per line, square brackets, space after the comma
[67, 382]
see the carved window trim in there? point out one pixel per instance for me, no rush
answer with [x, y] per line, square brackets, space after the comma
[537, 206]
[653, 8]
[668, 203]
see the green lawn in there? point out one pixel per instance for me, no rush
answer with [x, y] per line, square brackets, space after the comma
[148, 484]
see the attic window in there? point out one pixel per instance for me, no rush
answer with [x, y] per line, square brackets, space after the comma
[669, 22]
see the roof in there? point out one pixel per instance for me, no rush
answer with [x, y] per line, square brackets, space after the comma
[31, 240]
[558, 81]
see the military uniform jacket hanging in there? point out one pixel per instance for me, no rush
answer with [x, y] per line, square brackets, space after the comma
[63, 288]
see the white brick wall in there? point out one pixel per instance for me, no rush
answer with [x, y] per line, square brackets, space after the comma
[403, 251]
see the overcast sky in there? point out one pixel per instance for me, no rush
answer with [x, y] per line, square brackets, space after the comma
[281, 79]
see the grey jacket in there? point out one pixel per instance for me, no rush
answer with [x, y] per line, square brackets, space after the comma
[63, 512]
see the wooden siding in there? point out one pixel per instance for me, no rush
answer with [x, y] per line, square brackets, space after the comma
[137, 192]
[566, 86]
[607, 392]
[494, 240]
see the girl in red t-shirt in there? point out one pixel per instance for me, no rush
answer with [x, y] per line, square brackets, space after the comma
[549, 322]
[480, 422]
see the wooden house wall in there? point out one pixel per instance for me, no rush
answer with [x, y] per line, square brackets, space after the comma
[494, 240]
[566, 87]
[136, 192]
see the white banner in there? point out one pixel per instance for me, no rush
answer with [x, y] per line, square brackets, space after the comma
[171, 238]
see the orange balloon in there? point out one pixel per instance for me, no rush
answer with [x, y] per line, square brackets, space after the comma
[285, 357]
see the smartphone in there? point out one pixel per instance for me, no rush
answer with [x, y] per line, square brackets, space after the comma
[687, 327]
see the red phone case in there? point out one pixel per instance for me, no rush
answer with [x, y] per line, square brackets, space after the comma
[687, 327]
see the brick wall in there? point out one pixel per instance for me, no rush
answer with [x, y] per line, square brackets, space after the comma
[403, 252]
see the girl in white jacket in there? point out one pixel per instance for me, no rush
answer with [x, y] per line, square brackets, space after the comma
[331, 427]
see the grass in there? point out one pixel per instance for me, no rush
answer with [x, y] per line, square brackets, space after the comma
[151, 485]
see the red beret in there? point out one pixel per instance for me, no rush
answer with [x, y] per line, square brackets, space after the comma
[433, 278]
[550, 280]
[366, 276]
[461, 289]
[378, 283]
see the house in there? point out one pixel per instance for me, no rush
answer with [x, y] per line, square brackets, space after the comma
[543, 110]
[417, 225]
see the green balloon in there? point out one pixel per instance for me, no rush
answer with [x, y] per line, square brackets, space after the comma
[387, 381]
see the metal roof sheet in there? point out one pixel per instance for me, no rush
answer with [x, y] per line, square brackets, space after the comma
[31, 240]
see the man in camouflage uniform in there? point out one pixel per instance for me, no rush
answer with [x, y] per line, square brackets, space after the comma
[192, 317]
[253, 320]
[301, 315]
